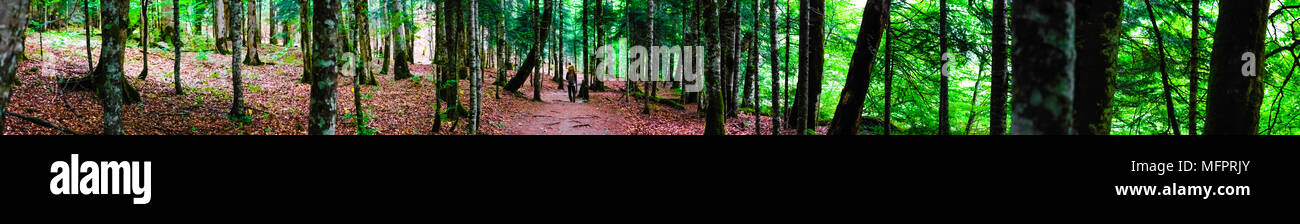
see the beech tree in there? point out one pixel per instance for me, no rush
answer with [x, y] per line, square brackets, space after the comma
[12, 29]
[1044, 55]
[236, 13]
[715, 120]
[110, 64]
[254, 41]
[323, 103]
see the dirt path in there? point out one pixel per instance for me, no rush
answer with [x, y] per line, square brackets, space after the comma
[557, 116]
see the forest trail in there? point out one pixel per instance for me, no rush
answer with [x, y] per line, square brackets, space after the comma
[277, 103]
[555, 115]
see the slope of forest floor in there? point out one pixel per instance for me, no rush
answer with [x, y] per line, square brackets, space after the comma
[277, 103]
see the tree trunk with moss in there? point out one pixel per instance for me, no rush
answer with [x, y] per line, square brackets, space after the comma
[715, 119]
[254, 41]
[944, 62]
[235, 8]
[1044, 52]
[401, 67]
[110, 64]
[12, 28]
[854, 95]
[176, 69]
[306, 39]
[1237, 68]
[1098, 34]
[323, 103]
[219, 33]
[728, 25]
[596, 83]
[361, 23]
[1194, 69]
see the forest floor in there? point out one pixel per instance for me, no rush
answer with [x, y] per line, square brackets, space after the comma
[277, 102]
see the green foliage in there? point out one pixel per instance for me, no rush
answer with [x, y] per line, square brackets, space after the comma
[203, 56]
[240, 119]
[363, 121]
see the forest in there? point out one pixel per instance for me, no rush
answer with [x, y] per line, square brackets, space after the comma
[595, 67]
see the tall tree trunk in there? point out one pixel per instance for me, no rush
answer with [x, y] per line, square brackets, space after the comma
[144, 39]
[536, 71]
[774, 61]
[90, 57]
[1098, 31]
[503, 64]
[557, 50]
[889, 69]
[324, 108]
[402, 67]
[1236, 87]
[12, 27]
[731, 55]
[692, 31]
[801, 91]
[254, 41]
[1044, 68]
[945, 61]
[270, 22]
[359, 24]
[1194, 69]
[998, 95]
[596, 83]
[816, 58]
[306, 37]
[532, 60]
[235, 8]
[110, 63]
[1164, 74]
[440, 58]
[585, 90]
[387, 41]
[753, 64]
[715, 121]
[653, 69]
[858, 81]
[222, 18]
[477, 77]
[176, 67]
[361, 13]
[458, 54]
[791, 119]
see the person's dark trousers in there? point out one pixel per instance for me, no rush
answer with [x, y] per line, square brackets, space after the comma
[573, 92]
